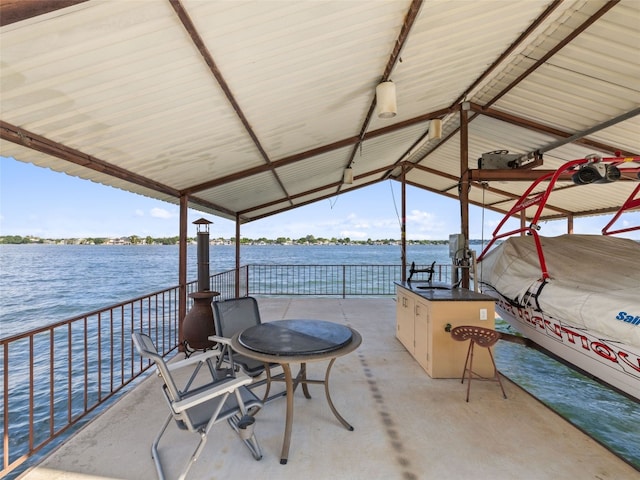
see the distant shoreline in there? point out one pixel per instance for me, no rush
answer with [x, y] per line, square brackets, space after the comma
[135, 240]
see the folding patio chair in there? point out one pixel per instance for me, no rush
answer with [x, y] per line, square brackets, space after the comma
[197, 408]
[233, 316]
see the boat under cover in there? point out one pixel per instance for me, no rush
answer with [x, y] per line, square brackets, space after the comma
[588, 309]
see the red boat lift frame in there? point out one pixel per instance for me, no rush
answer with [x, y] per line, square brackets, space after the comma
[541, 199]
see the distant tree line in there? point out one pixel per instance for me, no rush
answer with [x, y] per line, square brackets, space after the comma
[15, 239]
[136, 240]
[132, 240]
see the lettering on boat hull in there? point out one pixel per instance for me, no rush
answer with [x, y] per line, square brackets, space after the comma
[613, 362]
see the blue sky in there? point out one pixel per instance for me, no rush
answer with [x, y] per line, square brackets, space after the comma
[40, 202]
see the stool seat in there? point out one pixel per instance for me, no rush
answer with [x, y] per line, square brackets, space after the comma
[483, 337]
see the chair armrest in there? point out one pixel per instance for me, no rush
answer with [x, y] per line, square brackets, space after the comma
[228, 385]
[223, 340]
[202, 357]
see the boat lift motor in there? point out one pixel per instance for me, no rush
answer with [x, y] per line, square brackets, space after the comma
[501, 159]
[461, 258]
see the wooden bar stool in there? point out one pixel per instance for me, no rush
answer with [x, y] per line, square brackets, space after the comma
[483, 337]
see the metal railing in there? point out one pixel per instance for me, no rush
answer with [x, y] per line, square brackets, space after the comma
[53, 377]
[332, 280]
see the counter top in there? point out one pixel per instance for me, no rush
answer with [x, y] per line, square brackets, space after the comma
[441, 292]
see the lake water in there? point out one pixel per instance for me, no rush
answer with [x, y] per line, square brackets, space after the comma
[41, 284]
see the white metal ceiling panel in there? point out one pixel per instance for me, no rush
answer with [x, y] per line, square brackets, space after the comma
[435, 182]
[298, 201]
[377, 151]
[624, 135]
[453, 43]
[16, 151]
[245, 193]
[304, 72]
[590, 80]
[267, 211]
[124, 84]
[121, 82]
[305, 175]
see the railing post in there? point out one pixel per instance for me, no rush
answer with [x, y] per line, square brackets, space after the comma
[344, 281]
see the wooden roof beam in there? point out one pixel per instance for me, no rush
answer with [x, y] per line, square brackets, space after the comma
[539, 127]
[403, 36]
[525, 175]
[12, 11]
[208, 59]
[346, 142]
[42, 144]
[559, 46]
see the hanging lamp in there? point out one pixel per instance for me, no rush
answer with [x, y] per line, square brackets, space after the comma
[386, 100]
[348, 176]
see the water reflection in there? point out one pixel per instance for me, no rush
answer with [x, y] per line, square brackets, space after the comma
[607, 416]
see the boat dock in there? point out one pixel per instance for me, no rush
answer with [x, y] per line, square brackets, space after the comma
[407, 426]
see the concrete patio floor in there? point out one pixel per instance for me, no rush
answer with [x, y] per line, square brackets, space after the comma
[407, 425]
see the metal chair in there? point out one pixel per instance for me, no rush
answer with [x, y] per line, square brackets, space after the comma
[233, 316]
[483, 337]
[197, 409]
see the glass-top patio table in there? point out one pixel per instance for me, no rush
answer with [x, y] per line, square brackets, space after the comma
[298, 341]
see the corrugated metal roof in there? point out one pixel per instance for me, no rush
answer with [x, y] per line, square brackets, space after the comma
[251, 108]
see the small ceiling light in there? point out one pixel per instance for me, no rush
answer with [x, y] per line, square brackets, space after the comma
[348, 176]
[435, 129]
[386, 100]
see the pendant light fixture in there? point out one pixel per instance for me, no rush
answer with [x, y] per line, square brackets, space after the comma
[386, 99]
[435, 129]
[348, 176]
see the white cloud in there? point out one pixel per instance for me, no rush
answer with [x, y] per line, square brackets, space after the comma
[420, 216]
[423, 225]
[387, 223]
[361, 224]
[139, 213]
[354, 234]
[162, 213]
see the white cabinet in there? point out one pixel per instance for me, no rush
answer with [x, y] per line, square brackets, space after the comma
[422, 332]
[421, 326]
[404, 320]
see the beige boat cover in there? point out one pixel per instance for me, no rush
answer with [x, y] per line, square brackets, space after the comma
[594, 280]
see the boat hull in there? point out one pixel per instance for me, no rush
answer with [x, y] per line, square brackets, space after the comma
[612, 362]
[587, 312]
[576, 295]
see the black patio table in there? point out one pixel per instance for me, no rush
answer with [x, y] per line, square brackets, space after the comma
[298, 341]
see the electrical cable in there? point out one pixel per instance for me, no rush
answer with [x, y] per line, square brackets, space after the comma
[484, 187]
[403, 253]
[395, 205]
